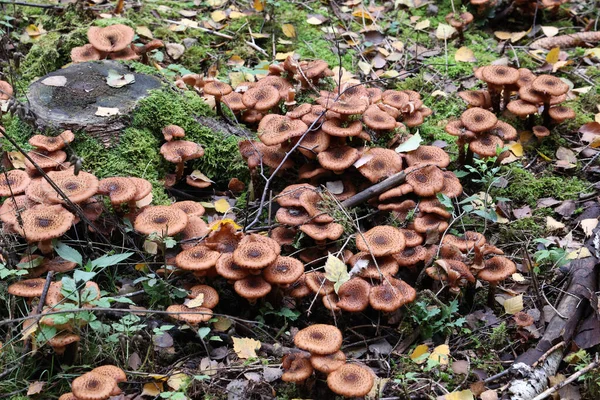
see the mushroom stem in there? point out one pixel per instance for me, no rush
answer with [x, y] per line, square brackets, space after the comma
[179, 171]
[505, 98]
[218, 106]
[45, 246]
[469, 157]
[495, 96]
[546, 112]
[491, 300]
[119, 7]
[461, 151]
[530, 121]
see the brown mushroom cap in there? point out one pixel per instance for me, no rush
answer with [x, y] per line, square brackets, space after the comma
[52, 143]
[229, 270]
[497, 269]
[197, 258]
[191, 208]
[354, 295]
[452, 186]
[59, 264]
[549, 85]
[335, 127]
[192, 316]
[425, 181]
[314, 142]
[77, 188]
[319, 339]
[391, 294]
[111, 38]
[453, 271]
[278, 82]
[525, 77]
[322, 232]
[521, 108]
[523, 319]
[13, 182]
[275, 129]
[284, 271]
[252, 287]
[499, 75]
[93, 386]
[234, 101]
[160, 219]
[486, 145]
[261, 98]
[126, 54]
[395, 98]
[112, 371]
[477, 119]
[181, 150]
[11, 207]
[476, 98]
[347, 105]
[381, 240]
[217, 88]
[540, 131]
[527, 93]
[68, 396]
[297, 368]
[63, 339]
[254, 255]
[211, 296]
[383, 164]
[44, 222]
[119, 189]
[6, 90]
[45, 159]
[172, 131]
[351, 380]
[27, 288]
[505, 131]
[467, 242]
[338, 158]
[561, 113]
[142, 187]
[411, 256]
[413, 119]
[290, 195]
[386, 265]
[429, 222]
[428, 155]
[377, 119]
[35, 191]
[318, 283]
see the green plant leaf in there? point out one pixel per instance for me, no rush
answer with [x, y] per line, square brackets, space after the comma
[68, 253]
[107, 261]
[411, 144]
[84, 276]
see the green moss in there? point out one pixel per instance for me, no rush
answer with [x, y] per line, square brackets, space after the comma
[104, 22]
[43, 58]
[526, 188]
[530, 227]
[17, 130]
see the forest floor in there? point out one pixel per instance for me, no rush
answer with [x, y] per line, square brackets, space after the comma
[536, 201]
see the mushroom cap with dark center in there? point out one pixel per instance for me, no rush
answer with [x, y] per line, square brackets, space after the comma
[540, 131]
[354, 295]
[77, 188]
[172, 131]
[314, 142]
[375, 94]
[428, 155]
[59, 264]
[521, 108]
[412, 238]
[525, 77]
[275, 129]
[395, 98]
[261, 98]
[191, 208]
[477, 119]
[549, 85]
[283, 271]
[455, 128]
[68, 396]
[290, 195]
[467, 242]
[452, 187]
[348, 106]
[476, 98]
[254, 255]
[313, 69]
[217, 88]
[329, 362]
[523, 319]
[425, 181]
[561, 113]
[283, 235]
[192, 316]
[297, 368]
[197, 258]
[486, 145]
[497, 269]
[52, 143]
[382, 164]
[499, 75]
[411, 256]
[319, 339]
[351, 380]
[391, 294]
[528, 94]
[429, 222]
[45, 159]
[13, 182]
[381, 240]
[318, 283]
[142, 187]
[377, 119]
[178, 151]
[160, 219]
[127, 54]
[27, 287]
[505, 131]
[234, 101]
[93, 386]
[338, 158]
[299, 111]
[281, 84]
[44, 222]
[112, 371]
[211, 296]
[292, 216]
[334, 127]
[12, 207]
[228, 269]
[120, 189]
[386, 265]
[322, 232]
[252, 287]
[111, 38]
[413, 119]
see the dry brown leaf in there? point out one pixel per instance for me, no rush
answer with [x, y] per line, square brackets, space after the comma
[289, 30]
[245, 347]
[35, 388]
[513, 36]
[465, 54]
[513, 305]
[422, 25]
[588, 225]
[153, 389]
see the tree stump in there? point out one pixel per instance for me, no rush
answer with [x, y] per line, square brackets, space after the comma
[77, 98]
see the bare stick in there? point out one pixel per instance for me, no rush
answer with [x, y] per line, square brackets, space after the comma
[375, 190]
[564, 383]
[26, 4]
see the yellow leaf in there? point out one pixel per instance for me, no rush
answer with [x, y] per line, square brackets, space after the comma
[553, 225]
[159, 377]
[178, 380]
[422, 25]
[592, 53]
[224, 221]
[513, 36]
[289, 30]
[513, 305]
[362, 14]
[518, 277]
[444, 31]
[545, 157]
[141, 267]
[552, 56]
[440, 354]
[196, 174]
[364, 67]
[283, 56]
[29, 331]
[517, 149]
[465, 54]
[144, 32]
[17, 159]
[35, 387]
[222, 206]
[218, 15]
[550, 30]
[336, 271]
[236, 15]
[215, 3]
[418, 354]
[153, 389]
[390, 74]
[196, 301]
[259, 5]
[579, 253]
[462, 395]
[222, 324]
[245, 347]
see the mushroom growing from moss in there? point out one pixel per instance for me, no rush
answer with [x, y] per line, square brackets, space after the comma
[180, 151]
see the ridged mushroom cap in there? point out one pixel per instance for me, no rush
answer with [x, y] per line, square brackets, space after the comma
[93, 386]
[276, 129]
[467, 242]
[382, 164]
[540, 131]
[283, 271]
[281, 84]
[254, 255]
[234, 101]
[192, 316]
[252, 287]
[111, 38]
[297, 368]
[377, 119]
[319, 339]
[329, 362]
[160, 219]
[505, 131]
[411, 256]
[549, 85]
[499, 75]
[172, 131]
[177, 151]
[77, 188]
[44, 222]
[197, 258]
[261, 98]
[290, 195]
[52, 143]
[314, 142]
[45, 159]
[142, 187]
[112, 371]
[348, 106]
[351, 380]
[561, 113]
[477, 119]
[354, 295]
[429, 222]
[497, 269]
[425, 181]
[119, 188]
[428, 155]
[486, 145]
[386, 265]
[381, 240]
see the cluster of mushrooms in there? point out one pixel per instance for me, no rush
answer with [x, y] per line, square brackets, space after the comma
[321, 346]
[98, 384]
[113, 42]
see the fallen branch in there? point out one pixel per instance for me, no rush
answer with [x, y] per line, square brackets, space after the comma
[534, 379]
[566, 41]
[375, 190]
[564, 383]
[26, 4]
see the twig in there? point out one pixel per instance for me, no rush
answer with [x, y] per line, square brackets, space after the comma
[375, 190]
[26, 4]
[570, 379]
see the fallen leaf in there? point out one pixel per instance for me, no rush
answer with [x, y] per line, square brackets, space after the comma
[444, 32]
[315, 19]
[513, 305]
[410, 144]
[35, 387]
[553, 225]
[336, 271]
[460, 367]
[588, 225]
[522, 212]
[218, 15]
[553, 55]
[56, 80]
[215, 226]
[335, 187]
[150, 247]
[222, 324]
[462, 395]
[583, 252]
[517, 149]
[592, 53]
[259, 5]
[289, 30]
[178, 380]
[364, 67]
[518, 277]
[196, 301]
[420, 354]
[489, 395]
[440, 354]
[144, 31]
[465, 54]
[116, 80]
[197, 175]
[245, 347]
[422, 25]
[17, 159]
[153, 389]
[513, 36]
[175, 50]
[550, 30]
[107, 111]
[222, 206]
